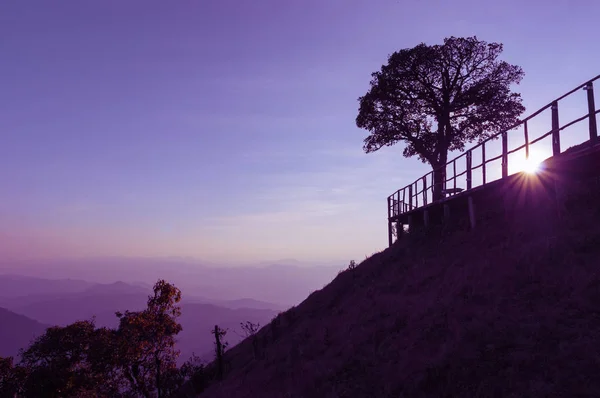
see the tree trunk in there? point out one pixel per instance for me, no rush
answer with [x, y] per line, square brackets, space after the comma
[158, 378]
[440, 158]
[219, 353]
[439, 176]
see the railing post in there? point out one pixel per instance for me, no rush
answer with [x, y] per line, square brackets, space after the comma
[410, 195]
[483, 162]
[454, 171]
[390, 211]
[469, 164]
[592, 113]
[401, 204]
[403, 199]
[526, 140]
[425, 190]
[390, 232]
[471, 207]
[416, 193]
[555, 130]
[504, 154]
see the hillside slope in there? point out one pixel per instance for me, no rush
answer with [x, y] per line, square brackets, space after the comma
[511, 309]
[16, 332]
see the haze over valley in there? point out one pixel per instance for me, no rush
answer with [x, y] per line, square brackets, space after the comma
[225, 296]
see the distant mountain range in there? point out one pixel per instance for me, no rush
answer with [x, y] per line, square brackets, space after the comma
[19, 285]
[45, 304]
[285, 283]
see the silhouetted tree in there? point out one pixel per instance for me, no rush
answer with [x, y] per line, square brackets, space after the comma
[6, 374]
[220, 346]
[146, 352]
[438, 98]
[194, 370]
[80, 360]
[250, 330]
[352, 265]
[12, 378]
[69, 361]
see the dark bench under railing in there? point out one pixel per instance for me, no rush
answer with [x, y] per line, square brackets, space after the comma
[451, 191]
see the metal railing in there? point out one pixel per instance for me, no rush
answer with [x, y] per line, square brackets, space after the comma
[416, 194]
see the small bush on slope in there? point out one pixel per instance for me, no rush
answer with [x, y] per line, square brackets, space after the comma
[511, 310]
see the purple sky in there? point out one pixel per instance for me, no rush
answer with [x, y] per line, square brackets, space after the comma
[225, 129]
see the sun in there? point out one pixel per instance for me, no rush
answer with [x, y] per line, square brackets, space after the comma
[531, 165]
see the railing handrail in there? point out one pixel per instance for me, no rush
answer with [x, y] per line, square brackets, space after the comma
[505, 152]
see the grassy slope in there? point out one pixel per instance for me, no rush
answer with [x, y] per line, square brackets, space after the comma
[510, 310]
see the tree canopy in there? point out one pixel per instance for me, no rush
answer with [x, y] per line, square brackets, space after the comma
[437, 98]
[147, 354]
[138, 359]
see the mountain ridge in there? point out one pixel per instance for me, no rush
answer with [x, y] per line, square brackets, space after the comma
[21, 331]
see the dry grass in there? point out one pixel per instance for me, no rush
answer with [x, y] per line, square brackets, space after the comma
[511, 310]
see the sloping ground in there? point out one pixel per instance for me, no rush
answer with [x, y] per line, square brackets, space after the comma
[16, 332]
[509, 310]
